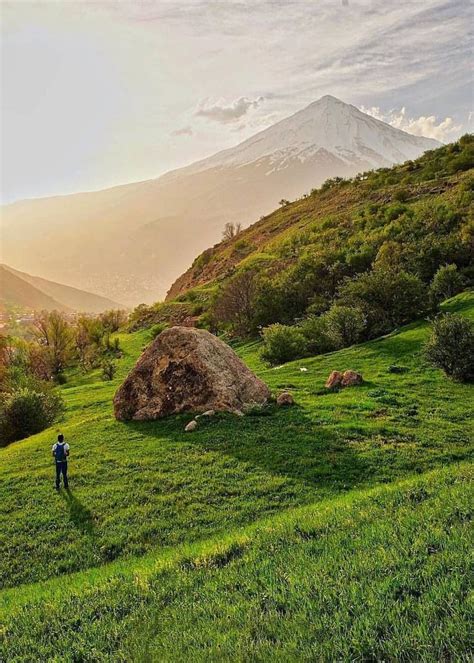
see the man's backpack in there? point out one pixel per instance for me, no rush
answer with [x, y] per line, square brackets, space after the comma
[60, 452]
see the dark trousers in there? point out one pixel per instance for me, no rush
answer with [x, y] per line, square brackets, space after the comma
[61, 468]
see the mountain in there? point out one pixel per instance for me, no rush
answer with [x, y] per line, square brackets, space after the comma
[130, 242]
[382, 216]
[14, 291]
[32, 292]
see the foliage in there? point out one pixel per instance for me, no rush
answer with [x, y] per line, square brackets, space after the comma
[315, 331]
[387, 299]
[446, 283]
[27, 411]
[113, 320]
[451, 346]
[109, 369]
[343, 325]
[235, 303]
[53, 333]
[282, 343]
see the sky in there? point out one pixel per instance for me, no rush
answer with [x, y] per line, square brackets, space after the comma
[96, 94]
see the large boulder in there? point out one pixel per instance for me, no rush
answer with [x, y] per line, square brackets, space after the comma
[187, 370]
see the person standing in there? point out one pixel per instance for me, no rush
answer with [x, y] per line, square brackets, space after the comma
[60, 453]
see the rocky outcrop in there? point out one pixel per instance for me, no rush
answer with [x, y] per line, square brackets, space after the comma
[187, 370]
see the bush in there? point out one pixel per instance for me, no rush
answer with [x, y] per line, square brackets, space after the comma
[388, 299]
[108, 370]
[314, 330]
[451, 346]
[344, 325]
[282, 343]
[27, 411]
[446, 283]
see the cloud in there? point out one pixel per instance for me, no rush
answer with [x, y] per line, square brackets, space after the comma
[219, 112]
[184, 131]
[424, 125]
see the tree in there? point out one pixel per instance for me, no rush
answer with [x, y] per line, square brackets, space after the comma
[451, 346]
[446, 283]
[112, 320]
[235, 304]
[230, 231]
[282, 343]
[344, 325]
[108, 370]
[26, 411]
[54, 333]
[387, 299]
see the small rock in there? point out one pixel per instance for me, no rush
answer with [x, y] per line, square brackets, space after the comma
[285, 399]
[208, 413]
[303, 369]
[351, 379]
[334, 380]
[191, 426]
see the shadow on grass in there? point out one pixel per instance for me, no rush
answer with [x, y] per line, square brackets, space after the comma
[283, 442]
[82, 517]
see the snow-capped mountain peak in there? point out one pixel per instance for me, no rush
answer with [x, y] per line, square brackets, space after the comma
[327, 124]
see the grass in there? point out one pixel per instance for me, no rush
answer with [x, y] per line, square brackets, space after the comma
[374, 575]
[123, 556]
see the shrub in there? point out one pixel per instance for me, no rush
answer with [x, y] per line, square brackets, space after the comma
[344, 325]
[388, 299]
[446, 283]
[108, 370]
[27, 411]
[314, 330]
[282, 343]
[451, 346]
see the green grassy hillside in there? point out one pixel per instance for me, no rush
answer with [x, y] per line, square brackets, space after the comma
[408, 216]
[268, 535]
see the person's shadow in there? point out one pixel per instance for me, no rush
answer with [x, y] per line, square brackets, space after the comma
[82, 517]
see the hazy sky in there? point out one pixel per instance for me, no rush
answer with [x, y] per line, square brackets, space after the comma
[100, 93]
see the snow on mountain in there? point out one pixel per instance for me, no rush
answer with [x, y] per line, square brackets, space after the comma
[327, 124]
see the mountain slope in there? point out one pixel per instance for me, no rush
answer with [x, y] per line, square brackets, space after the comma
[131, 242]
[351, 218]
[66, 296]
[14, 291]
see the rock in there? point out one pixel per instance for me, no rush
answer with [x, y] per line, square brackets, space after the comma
[191, 426]
[187, 370]
[208, 413]
[334, 380]
[285, 399]
[351, 379]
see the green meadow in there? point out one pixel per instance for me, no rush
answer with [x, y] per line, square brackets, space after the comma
[337, 529]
